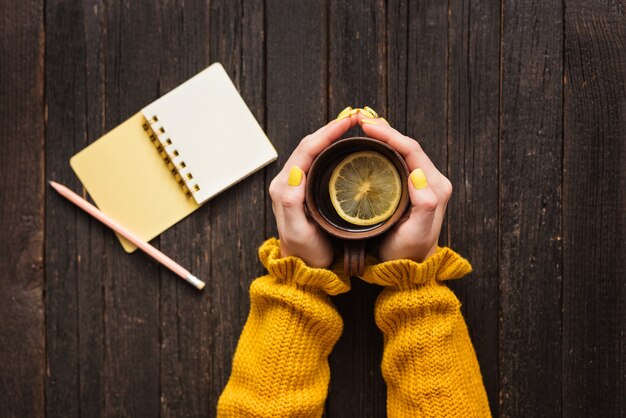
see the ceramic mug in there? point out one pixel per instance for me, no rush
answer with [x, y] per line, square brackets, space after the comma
[321, 210]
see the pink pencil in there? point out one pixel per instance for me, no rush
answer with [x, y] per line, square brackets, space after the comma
[141, 244]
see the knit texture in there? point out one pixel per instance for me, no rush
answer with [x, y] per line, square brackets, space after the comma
[280, 367]
[429, 364]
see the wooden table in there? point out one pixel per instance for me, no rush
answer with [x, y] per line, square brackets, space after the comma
[521, 103]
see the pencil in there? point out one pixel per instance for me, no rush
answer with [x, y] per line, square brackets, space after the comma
[140, 243]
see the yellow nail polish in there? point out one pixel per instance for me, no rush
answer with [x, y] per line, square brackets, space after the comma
[345, 112]
[354, 112]
[372, 111]
[367, 113]
[418, 178]
[342, 117]
[295, 176]
[385, 121]
[369, 121]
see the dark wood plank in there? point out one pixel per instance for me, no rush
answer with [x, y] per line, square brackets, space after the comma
[131, 286]
[397, 35]
[417, 59]
[68, 232]
[594, 215]
[90, 295]
[102, 304]
[530, 204]
[426, 91]
[237, 216]
[131, 368]
[473, 107]
[185, 338]
[426, 80]
[296, 80]
[22, 112]
[357, 77]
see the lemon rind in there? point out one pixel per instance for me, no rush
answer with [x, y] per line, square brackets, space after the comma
[333, 192]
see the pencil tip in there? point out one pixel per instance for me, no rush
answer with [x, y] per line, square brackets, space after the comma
[198, 284]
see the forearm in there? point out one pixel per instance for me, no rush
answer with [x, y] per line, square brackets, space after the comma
[429, 363]
[280, 367]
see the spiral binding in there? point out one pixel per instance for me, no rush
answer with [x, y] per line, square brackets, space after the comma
[164, 145]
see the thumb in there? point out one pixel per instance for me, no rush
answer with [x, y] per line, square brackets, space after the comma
[423, 199]
[293, 203]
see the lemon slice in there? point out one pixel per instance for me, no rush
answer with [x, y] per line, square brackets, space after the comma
[365, 188]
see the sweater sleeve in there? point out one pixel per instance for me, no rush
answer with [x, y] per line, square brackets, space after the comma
[280, 367]
[429, 364]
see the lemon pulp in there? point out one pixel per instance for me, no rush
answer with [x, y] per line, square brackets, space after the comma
[365, 188]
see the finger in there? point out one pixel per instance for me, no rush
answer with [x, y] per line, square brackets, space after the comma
[424, 201]
[364, 120]
[410, 149]
[313, 144]
[348, 113]
[413, 238]
[369, 115]
[292, 202]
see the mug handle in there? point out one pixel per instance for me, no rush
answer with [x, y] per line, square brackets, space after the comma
[354, 257]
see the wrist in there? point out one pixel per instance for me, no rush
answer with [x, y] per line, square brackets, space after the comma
[419, 254]
[311, 257]
[405, 273]
[292, 270]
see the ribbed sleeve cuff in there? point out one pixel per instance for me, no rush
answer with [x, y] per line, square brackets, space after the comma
[292, 270]
[445, 264]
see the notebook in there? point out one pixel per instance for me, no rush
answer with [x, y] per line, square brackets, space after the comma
[175, 154]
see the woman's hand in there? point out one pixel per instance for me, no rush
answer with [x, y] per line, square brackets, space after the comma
[298, 235]
[416, 236]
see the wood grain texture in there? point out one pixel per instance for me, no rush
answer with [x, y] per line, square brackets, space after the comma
[22, 346]
[237, 215]
[594, 210]
[357, 77]
[530, 170]
[397, 37]
[296, 82]
[130, 285]
[102, 327]
[427, 79]
[417, 57]
[522, 104]
[185, 328]
[69, 256]
[473, 108]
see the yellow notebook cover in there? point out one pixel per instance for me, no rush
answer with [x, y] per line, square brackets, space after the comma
[162, 163]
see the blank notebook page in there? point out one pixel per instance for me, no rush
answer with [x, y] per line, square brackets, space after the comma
[209, 133]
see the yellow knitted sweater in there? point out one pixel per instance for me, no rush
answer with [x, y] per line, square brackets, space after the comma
[280, 367]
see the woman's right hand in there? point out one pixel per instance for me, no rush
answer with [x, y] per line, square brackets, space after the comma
[416, 236]
[297, 234]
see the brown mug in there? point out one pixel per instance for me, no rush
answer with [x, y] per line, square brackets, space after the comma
[321, 210]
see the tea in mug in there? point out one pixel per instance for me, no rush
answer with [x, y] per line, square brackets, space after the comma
[365, 188]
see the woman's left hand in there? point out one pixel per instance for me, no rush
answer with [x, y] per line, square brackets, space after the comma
[297, 234]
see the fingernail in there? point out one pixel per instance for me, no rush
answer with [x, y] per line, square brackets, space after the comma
[385, 121]
[418, 178]
[354, 112]
[371, 111]
[367, 113]
[344, 113]
[342, 117]
[295, 176]
[369, 121]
